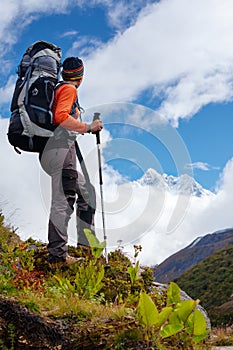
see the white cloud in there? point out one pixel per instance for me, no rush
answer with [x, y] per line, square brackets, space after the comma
[201, 166]
[122, 13]
[178, 48]
[33, 6]
[195, 91]
[205, 215]
[217, 213]
[7, 91]
[19, 187]
[70, 33]
[84, 45]
[133, 212]
[15, 16]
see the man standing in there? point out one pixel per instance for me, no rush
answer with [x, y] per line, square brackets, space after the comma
[59, 161]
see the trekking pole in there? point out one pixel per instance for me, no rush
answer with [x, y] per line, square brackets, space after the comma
[96, 117]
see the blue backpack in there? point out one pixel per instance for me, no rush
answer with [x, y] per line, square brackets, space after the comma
[31, 116]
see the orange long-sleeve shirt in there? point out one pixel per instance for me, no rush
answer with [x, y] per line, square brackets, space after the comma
[64, 98]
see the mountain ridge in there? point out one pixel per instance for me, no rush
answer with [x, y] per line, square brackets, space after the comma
[197, 251]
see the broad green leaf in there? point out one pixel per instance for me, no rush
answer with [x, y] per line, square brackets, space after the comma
[190, 324]
[173, 318]
[199, 338]
[96, 246]
[164, 314]
[184, 309]
[199, 322]
[147, 310]
[92, 239]
[173, 294]
[170, 330]
[196, 326]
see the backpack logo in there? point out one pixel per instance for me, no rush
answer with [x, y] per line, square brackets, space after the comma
[35, 92]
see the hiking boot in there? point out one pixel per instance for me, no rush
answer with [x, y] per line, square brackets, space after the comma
[85, 250]
[70, 260]
[62, 263]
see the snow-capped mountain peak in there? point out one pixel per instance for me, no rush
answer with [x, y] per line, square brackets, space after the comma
[152, 178]
[183, 184]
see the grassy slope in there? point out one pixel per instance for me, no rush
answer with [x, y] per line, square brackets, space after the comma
[38, 310]
[212, 282]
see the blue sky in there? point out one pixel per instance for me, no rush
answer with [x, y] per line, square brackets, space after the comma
[207, 133]
[171, 57]
[208, 137]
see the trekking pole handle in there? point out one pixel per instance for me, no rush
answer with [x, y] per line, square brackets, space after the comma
[96, 117]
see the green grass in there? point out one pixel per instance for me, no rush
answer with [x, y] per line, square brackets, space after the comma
[82, 308]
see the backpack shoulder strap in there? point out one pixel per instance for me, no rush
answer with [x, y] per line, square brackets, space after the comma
[75, 104]
[60, 83]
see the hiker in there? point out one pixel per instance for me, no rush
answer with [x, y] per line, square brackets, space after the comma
[58, 160]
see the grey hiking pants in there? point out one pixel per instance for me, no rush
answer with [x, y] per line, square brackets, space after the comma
[68, 185]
